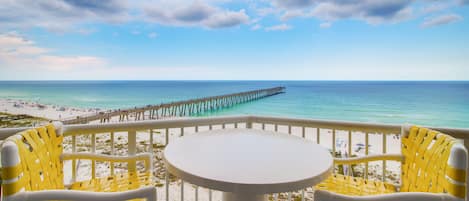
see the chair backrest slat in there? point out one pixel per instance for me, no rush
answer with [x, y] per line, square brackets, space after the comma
[427, 166]
[39, 167]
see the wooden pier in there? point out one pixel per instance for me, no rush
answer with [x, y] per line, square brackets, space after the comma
[191, 107]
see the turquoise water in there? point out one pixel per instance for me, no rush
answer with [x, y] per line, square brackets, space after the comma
[427, 103]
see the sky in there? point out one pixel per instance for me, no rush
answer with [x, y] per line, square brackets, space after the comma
[234, 40]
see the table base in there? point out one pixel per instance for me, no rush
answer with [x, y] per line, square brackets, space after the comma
[244, 197]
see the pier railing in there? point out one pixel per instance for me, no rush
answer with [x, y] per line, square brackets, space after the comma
[177, 109]
[153, 136]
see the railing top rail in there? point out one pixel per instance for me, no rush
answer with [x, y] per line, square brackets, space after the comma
[150, 124]
[353, 125]
[7, 132]
[204, 121]
[330, 124]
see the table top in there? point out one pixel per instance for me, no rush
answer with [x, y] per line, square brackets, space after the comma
[248, 161]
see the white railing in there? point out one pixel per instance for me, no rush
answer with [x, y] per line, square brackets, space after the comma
[152, 136]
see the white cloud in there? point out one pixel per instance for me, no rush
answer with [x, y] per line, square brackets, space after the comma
[152, 35]
[197, 13]
[436, 7]
[256, 27]
[289, 14]
[280, 27]
[61, 63]
[11, 40]
[67, 15]
[23, 59]
[60, 15]
[86, 31]
[12, 46]
[226, 19]
[135, 32]
[16, 52]
[293, 4]
[325, 25]
[441, 20]
[266, 11]
[71, 15]
[371, 11]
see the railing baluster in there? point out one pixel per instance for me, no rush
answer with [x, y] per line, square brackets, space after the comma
[366, 153]
[249, 124]
[112, 152]
[196, 193]
[166, 179]
[93, 150]
[151, 141]
[210, 195]
[166, 135]
[333, 143]
[132, 140]
[349, 149]
[303, 195]
[318, 134]
[333, 146]
[74, 162]
[182, 190]
[384, 151]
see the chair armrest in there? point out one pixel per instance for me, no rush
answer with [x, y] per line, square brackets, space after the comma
[147, 157]
[148, 192]
[364, 159]
[322, 195]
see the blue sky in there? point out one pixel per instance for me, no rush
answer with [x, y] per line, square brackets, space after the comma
[234, 40]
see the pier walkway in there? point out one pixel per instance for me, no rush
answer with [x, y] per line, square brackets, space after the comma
[177, 109]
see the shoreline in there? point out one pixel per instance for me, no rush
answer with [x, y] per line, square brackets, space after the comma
[45, 111]
[50, 112]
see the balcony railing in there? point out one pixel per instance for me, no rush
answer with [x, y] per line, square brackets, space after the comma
[342, 138]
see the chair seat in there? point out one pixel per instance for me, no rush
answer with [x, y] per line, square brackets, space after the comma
[355, 186]
[116, 183]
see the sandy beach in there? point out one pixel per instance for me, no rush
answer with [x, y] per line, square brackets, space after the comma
[51, 112]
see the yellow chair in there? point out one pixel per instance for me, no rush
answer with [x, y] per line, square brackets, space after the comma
[32, 169]
[433, 167]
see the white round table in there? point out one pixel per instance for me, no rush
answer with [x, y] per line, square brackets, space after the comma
[246, 164]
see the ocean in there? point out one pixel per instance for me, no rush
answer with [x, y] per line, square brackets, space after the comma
[431, 103]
